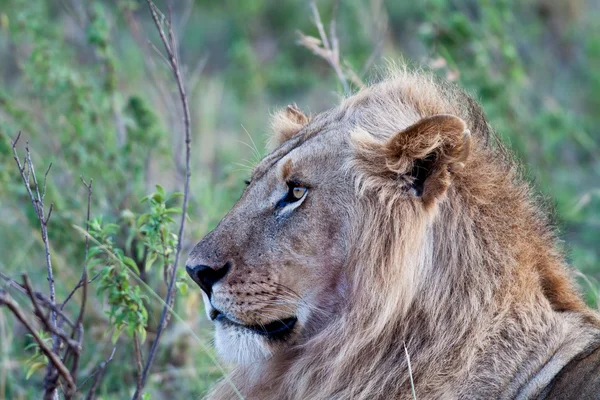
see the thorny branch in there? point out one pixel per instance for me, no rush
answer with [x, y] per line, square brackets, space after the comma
[327, 47]
[170, 45]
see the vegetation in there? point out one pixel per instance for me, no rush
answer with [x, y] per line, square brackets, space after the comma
[91, 88]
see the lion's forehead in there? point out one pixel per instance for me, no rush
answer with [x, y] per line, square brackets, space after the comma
[323, 136]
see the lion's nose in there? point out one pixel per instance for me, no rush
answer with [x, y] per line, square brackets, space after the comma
[206, 276]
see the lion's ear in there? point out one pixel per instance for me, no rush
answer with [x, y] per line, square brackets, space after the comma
[428, 152]
[286, 123]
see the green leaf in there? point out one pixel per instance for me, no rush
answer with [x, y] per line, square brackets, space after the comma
[31, 345]
[142, 333]
[150, 260]
[182, 286]
[115, 335]
[142, 219]
[34, 367]
[129, 262]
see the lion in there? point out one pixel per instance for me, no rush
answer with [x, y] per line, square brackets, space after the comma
[388, 248]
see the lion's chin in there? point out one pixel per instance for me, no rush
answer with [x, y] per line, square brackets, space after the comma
[239, 345]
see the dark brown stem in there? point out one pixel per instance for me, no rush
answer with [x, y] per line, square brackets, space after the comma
[40, 297]
[171, 50]
[47, 325]
[6, 300]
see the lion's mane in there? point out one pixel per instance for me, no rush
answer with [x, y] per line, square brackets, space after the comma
[461, 290]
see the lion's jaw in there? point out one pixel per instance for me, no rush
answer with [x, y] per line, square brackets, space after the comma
[240, 343]
[283, 258]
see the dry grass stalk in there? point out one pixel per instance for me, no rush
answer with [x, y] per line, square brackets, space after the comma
[328, 48]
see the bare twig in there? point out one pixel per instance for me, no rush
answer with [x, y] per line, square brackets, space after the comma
[164, 94]
[138, 361]
[170, 45]
[84, 282]
[6, 300]
[38, 205]
[47, 325]
[327, 47]
[79, 285]
[97, 376]
[45, 178]
[40, 297]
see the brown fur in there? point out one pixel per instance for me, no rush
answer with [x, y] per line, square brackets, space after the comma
[463, 274]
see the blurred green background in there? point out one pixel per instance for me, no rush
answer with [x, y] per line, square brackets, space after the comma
[90, 93]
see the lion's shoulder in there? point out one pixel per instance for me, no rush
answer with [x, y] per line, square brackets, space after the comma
[579, 379]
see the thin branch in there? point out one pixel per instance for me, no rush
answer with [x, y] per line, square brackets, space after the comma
[40, 297]
[6, 300]
[170, 48]
[84, 279]
[79, 285]
[45, 222]
[326, 47]
[164, 95]
[98, 376]
[319, 24]
[158, 52]
[45, 178]
[138, 361]
[47, 325]
[38, 205]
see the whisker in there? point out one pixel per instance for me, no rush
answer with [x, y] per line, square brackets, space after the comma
[256, 151]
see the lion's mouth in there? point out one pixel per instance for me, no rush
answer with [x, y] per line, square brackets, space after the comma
[278, 329]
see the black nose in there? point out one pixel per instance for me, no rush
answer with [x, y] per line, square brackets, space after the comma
[206, 276]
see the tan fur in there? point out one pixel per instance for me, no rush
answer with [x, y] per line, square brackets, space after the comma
[465, 275]
[286, 123]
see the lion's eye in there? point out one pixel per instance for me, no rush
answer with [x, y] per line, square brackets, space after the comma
[298, 192]
[295, 194]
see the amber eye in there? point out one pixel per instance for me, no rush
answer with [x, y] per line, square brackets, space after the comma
[298, 192]
[295, 193]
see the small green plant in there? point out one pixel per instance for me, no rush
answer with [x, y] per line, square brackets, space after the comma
[127, 311]
[38, 360]
[155, 241]
[155, 227]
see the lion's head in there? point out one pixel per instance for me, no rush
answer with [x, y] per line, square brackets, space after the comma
[393, 218]
[272, 270]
